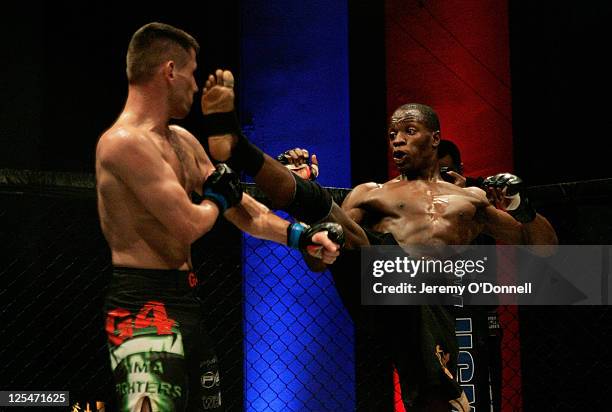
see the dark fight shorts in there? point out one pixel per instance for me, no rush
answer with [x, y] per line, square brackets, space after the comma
[420, 340]
[158, 347]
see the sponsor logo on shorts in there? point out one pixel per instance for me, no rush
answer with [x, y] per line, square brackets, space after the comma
[210, 379]
[192, 279]
[209, 362]
[148, 373]
[152, 388]
[211, 402]
[120, 325]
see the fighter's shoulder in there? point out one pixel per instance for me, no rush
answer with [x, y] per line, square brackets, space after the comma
[366, 188]
[122, 134]
[120, 142]
[185, 135]
[118, 138]
[359, 192]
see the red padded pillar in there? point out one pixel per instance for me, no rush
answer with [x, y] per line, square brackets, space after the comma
[453, 55]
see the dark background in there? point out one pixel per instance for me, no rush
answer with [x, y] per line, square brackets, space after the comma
[62, 84]
[561, 88]
[63, 80]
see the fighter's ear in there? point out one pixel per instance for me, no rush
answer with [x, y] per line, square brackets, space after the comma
[435, 138]
[168, 69]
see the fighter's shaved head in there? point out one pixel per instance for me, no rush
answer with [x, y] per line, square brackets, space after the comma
[421, 112]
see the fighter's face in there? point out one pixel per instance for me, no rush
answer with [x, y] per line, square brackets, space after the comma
[184, 87]
[411, 141]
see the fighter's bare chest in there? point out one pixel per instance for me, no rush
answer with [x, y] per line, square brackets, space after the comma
[184, 163]
[414, 201]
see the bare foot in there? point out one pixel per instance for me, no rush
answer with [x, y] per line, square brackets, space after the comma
[218, 93]
[218, 97]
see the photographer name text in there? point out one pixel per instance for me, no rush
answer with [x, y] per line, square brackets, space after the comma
[474, 287]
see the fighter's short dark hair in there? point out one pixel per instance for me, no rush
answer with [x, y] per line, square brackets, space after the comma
[430, 117]
[154, 43]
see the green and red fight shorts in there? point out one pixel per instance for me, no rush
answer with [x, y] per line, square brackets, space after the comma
[158, 347]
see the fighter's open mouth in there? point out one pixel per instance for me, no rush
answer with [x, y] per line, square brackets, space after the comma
[399, 155]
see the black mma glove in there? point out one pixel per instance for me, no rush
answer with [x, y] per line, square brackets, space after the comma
[223, 188]
[519, 206]
[300, 236]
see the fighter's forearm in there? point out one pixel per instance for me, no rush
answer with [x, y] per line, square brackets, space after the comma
[321, 240]
[354, 234]
[256, 219]
[540, 236]
[508, 191]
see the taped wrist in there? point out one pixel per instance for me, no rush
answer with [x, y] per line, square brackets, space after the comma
[245, 156]
[294, 234]
[221, 123]
[217, 199]
[311, 203]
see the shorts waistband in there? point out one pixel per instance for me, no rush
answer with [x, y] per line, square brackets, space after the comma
[162, 278]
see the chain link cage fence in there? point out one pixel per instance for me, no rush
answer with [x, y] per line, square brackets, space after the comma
[54, 272]
[284, 340]
[565, 358]
[297, 335]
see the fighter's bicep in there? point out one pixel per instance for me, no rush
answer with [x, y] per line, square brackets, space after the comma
[356, 214]
[352, 210]
[353, 202]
